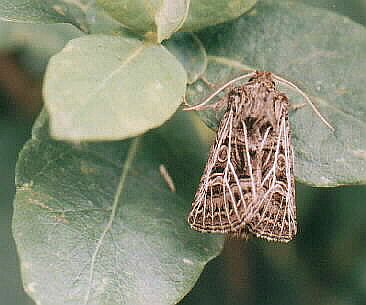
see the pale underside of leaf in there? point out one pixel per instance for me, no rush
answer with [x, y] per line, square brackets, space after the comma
[106, 88]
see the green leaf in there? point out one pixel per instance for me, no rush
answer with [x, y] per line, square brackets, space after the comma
[161, 17]
[323, 53]
[52, 11]
[100, 22]
[96, 223]
[13, 133]
[111, 87]
[170, 17]
[203, 13]
[190, 52]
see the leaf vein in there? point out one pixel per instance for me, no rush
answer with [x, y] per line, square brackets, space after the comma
[105, 81]
[127, 165]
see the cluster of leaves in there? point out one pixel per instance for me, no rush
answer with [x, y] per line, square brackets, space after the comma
[94, 222]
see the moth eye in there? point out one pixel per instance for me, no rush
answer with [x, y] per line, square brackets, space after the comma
[222, 155]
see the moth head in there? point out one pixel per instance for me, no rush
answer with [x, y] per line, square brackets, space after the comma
[264, 79]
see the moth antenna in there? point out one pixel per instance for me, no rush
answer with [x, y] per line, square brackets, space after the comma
[210, 97]
[292, 85]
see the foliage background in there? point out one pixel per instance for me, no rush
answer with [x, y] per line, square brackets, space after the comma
[325, 265]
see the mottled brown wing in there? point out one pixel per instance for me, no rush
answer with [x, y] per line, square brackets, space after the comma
[223, 195]
[248, 183]
[274, 213]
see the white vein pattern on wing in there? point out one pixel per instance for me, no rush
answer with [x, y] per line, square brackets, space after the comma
[229, 166]
[226, 173]
[254, 193]
[289, 197]
[271, 172]
[211, 163]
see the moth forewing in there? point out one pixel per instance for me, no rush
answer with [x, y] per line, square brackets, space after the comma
[275, 214]
[202, 216]
[248, 183]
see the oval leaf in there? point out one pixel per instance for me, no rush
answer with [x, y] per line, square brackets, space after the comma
[159, 18]
[323, 53]
[55, 11]
[107, 88]
[170, 18]
[96, 224]
[203, 13]
[190, 52]
[39, 39]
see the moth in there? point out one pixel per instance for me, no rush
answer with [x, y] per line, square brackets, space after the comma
[247, 186]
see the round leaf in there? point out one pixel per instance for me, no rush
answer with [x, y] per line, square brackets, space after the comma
[190, 52]
[96, 224]
[321, 52]
[53, 11]
[170, 17]
[159, 17]
[111, 87]
[203, 13]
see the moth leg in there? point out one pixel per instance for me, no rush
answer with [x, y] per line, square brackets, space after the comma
[214, 86]
[295, 107]
[217, 106]
[199, 107]
[207, 82]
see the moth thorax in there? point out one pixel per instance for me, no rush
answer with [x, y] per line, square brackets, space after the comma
[264, 93]
[263, 78]
[235, 98]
